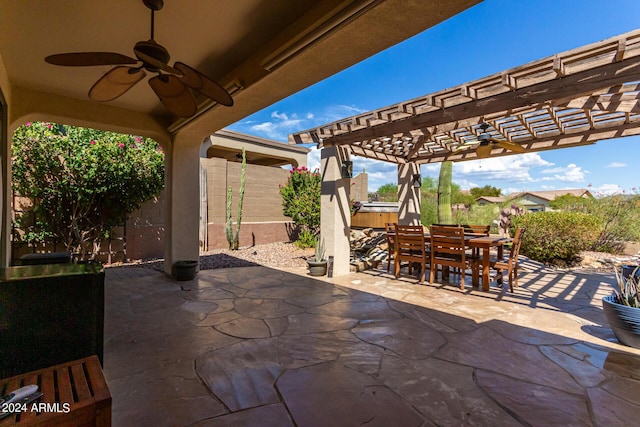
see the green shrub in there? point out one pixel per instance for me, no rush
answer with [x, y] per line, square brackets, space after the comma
[306, 239]
[482, 215]
[619, 214]
[81, 182]
[301, 201]
[557, 237]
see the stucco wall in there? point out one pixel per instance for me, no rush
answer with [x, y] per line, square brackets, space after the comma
[262, 217]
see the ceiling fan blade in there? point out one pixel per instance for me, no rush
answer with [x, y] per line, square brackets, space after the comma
[115, 83]
[203, 84]
[174, 95]
[150, 60]
[516, 148]
[86, 59]
[464, 146]
[483, 151]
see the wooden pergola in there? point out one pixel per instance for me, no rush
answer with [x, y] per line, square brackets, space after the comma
[569, 99]
[572, 98]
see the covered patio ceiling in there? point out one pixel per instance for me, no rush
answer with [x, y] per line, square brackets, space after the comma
[572, 98]
[259, 50]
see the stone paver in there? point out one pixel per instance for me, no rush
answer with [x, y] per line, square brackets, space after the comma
[256, 346]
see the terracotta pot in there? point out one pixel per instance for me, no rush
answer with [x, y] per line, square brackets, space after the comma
[317, 268]
[624, 321]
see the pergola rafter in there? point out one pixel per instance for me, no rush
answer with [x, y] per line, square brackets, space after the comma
[571, 98]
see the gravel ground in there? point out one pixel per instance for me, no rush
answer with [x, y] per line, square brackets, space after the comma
[283, 255]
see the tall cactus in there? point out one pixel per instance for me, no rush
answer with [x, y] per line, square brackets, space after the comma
[444, 193]
[234, 239]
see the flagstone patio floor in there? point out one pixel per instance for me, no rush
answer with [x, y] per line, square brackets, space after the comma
[257, 346]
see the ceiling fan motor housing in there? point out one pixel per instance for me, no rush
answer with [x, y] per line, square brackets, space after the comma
[153, 4]
[154, 50]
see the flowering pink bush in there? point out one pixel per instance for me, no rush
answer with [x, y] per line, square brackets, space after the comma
[301, 201]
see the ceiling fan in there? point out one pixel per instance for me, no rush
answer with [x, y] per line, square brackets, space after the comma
[172, 85]
[485, 142]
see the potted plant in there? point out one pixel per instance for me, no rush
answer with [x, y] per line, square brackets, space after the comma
[318, 264]
[622, 309]
[184, 269]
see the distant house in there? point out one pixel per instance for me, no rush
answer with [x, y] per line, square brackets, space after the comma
[533, 201]
[490, 200]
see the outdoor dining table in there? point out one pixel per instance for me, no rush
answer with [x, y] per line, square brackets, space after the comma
[483, 243]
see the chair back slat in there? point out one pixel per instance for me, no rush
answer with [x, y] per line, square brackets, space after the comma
[515, 245]
[448, 249]
[446, 241]
[410, 246]
[410, 240]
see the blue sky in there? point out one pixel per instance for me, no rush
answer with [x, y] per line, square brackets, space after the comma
[488, 38]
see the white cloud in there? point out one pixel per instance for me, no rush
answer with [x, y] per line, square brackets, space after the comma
[617, 165]
[569, 173]
[277, 125]
[501, 170]
[605, 190]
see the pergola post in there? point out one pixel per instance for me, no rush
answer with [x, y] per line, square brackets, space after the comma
[408, 195]
[335, 213]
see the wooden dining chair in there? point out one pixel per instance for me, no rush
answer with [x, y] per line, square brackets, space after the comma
[390, 228]
[448, 249]
[480, 230]
[410, 246]
[510, 262]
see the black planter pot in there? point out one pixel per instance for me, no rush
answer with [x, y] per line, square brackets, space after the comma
[624, 321]
[317, 268]
[184, 270]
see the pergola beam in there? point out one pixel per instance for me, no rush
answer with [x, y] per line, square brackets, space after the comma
[585, 90]
[472, 111]
[548, 143]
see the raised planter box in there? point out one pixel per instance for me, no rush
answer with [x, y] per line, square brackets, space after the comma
[50, 314]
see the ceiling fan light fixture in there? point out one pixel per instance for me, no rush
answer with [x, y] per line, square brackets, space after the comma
[484, 150]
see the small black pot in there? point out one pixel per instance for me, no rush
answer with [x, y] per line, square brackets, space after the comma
[184, 270]
[317, 268]
[624, 321]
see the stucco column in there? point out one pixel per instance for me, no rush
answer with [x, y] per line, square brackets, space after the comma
[335, 213]
[408, 195]
[182, 182]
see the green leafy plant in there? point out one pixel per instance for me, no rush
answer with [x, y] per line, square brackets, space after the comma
[301, 200]
[628, 291]
[619, 214]
[80, 182]
[556, 237]
[306, 239]
[233, 238]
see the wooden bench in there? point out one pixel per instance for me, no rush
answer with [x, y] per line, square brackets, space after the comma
[75, 393]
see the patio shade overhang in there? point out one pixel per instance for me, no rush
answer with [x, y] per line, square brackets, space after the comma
[260, 51]
[569, 99]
